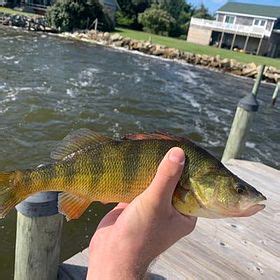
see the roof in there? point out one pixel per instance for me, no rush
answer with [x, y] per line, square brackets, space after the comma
[251, 9]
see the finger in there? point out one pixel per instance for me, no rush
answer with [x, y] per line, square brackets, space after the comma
[168, 174]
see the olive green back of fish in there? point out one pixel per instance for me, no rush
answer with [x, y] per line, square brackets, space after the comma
[91, 167]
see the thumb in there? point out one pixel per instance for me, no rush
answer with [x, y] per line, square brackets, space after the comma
[168, 174]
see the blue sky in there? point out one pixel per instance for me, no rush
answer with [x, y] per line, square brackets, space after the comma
[213, 5]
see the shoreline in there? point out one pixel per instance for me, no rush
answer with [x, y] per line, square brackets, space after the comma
[146, 48]
[117, 41]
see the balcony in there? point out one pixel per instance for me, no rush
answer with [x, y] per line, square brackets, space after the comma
[245, 30]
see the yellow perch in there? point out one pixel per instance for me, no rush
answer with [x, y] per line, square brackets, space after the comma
[90, 167]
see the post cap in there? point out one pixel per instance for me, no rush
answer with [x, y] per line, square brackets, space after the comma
[39, 205]
[249, 103]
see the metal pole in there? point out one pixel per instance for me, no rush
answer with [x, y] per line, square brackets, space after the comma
[39, 228]
[275, 94]
[246, 108]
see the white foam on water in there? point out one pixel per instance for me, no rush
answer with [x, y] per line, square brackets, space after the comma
[139, 125]
[113, 90]
[214, 143]
[137, 79]
[8, 57]
[188, 77]
[227, 111]
[190, 98]
[212, 116]
[11, 96]
[4, 110]
[86, 77]
[73, 93]
[250, 145]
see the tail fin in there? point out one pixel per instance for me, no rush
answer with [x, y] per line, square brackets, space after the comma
[8, 198]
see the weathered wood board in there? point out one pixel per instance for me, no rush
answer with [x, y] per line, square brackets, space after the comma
[240, 248]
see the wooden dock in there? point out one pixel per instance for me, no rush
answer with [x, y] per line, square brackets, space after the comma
[239, 248]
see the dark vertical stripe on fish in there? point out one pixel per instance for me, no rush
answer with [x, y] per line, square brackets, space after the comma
[70, 173]
[98, 165]
[131, 163]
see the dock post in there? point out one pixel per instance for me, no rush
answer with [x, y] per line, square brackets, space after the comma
[38, 238]
[246, 108]
[275, 93]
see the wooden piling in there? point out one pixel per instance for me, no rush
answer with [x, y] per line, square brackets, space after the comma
[242, 121]
[275, 94]
[258, 80]
[38, 238]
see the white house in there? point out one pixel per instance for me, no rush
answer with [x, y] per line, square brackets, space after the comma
[238, 26]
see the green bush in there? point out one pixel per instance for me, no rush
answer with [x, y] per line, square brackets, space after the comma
[157, 21]
[124, 20]
[67, 15]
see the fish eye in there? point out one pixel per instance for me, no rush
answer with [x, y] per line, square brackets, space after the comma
[240, 189]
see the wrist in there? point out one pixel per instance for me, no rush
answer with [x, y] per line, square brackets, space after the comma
[117, 260]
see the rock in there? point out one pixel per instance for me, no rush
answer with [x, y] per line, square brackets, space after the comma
[116, 37]
[250, 70]
[106, 36]
[225, 63]
[159, 50]
[118, 44]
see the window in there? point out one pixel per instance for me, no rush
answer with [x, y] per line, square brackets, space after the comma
[229, 19]
[259, 22]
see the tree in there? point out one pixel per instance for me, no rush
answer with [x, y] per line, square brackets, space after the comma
[180, 11]
[157, 20]
[130, 9]
[202, 12]
[68, 15]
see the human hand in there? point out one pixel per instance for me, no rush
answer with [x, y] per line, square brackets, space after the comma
[131, 235]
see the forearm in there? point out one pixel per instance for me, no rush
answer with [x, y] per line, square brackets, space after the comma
[115, 258]
[115, 268]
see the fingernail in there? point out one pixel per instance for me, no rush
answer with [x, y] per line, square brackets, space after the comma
[177, 155]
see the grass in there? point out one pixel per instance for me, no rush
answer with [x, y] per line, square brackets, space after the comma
[199, 49]
[14, 12]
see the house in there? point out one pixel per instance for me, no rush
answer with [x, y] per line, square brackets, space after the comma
[249, 28]
[110, 6]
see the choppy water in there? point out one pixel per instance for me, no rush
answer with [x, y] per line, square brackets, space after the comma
[50, 86]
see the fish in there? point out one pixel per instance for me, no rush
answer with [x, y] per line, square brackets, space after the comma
[89, 167]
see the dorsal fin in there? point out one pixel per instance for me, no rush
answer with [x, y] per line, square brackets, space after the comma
[153, 135]
[77, 140]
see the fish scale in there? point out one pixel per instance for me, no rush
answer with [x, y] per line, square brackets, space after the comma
[90, 167]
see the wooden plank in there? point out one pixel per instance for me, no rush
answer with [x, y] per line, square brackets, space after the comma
[234, 248]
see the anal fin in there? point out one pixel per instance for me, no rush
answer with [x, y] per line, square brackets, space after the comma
[72, 206]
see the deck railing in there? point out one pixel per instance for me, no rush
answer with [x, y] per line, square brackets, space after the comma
[236, 28]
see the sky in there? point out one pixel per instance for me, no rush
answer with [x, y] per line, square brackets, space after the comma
[213, 5]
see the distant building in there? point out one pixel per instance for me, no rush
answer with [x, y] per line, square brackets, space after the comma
[110, 6]
[238, 26]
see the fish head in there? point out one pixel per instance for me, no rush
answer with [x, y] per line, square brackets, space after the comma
[225, 195]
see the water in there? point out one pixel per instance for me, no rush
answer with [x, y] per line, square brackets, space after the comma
[50, 86]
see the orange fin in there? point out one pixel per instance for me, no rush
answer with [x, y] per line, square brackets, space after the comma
[154, 135]
[77, 140]
[72, 206]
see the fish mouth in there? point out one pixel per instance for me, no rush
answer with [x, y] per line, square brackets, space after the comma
[255, 208]
[252, 210]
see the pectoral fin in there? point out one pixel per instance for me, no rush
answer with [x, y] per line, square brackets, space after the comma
[72, 206]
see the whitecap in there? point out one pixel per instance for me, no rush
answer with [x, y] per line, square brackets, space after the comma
[227, 111]
[250, 145]
[72, 92]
